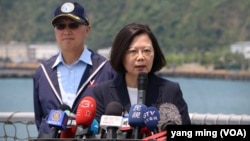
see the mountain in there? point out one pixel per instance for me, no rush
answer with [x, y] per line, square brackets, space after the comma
[179, 25]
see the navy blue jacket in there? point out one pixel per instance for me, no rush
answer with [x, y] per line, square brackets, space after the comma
[159, 91]
[44, 97]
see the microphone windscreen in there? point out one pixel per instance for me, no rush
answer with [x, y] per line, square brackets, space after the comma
[142, 80]
[169, 115]
[151, 118]
[86, 110]
[136, 113]
[114, 109]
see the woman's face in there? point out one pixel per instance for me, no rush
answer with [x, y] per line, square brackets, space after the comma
[139, 57]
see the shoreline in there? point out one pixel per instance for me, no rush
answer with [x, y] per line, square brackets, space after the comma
[207, 74]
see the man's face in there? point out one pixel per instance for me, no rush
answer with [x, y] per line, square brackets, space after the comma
[70, 35]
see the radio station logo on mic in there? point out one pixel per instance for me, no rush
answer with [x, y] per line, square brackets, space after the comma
[115, 121]
[57, 118]
[86, 104]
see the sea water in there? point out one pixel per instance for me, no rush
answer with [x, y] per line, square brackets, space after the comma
[202, 96]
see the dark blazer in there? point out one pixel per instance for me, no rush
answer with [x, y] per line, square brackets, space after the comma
[159, 91]
[44, 97]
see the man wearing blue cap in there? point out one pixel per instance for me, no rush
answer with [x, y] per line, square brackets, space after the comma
[68, 76]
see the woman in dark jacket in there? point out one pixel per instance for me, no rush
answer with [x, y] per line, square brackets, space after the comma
[135, 50]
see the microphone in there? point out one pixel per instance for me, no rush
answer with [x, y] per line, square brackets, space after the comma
[142, 81]
[57, 120]
[136, 120]
[94, 127]
[112, 119]
[85, 114]
[169, 115]
[126, 129]
[151, 119]
[65, 108]
[125, 125]
[70, 130]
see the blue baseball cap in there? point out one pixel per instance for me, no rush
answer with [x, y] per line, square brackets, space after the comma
[72, 10]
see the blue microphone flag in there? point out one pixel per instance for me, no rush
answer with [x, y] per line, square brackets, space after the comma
[58, 118]
[136, 113]
[151, 118]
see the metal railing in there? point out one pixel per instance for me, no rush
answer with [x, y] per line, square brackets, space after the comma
[21, 126]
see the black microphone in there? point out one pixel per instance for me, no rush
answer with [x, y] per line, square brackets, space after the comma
[112, 120]
[169, 115]
[64, 107]
[142, 81]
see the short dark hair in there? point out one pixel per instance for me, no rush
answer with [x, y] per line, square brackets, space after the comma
[123, 40]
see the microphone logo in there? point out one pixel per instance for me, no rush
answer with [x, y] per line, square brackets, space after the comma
[56, 116]
[86, 104]
[86, 110]
[137, 111]
[151, 118]
[114, 121]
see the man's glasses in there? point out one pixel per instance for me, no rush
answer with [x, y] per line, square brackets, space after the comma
[62, 26]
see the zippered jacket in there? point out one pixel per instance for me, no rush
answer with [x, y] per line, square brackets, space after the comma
[47, 94]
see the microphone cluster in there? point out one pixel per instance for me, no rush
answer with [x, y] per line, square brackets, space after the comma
[148, 122]
[151, 123]
[64, 124]
[141, 122]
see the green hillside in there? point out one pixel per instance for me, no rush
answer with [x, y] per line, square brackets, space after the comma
[187, 26]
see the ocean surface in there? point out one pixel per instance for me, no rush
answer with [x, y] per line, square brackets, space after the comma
[202, 95]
